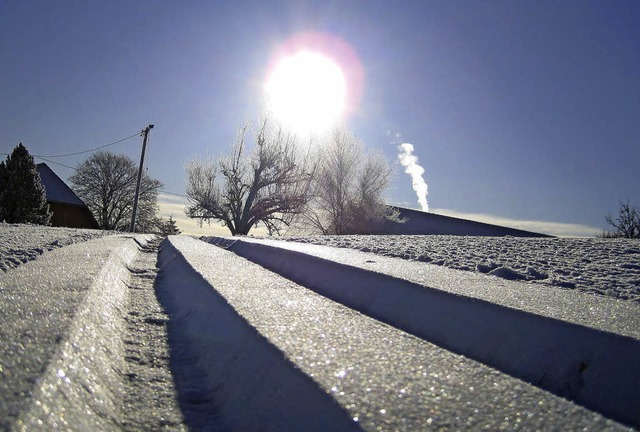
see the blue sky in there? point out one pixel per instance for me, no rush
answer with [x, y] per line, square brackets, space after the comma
[524, 112]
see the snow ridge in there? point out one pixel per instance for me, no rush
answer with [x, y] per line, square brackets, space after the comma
[607, 267]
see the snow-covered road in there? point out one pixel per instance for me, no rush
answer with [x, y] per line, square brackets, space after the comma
[217, 341]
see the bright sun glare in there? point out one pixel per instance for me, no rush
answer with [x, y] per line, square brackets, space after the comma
[307, 92]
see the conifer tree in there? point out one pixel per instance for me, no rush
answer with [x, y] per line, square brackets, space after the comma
[168, 227]
[22, 196]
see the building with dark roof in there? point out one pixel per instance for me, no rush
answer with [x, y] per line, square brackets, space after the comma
[418, 222]
[67, 208]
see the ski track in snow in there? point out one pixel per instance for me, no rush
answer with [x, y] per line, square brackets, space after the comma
[608, 267]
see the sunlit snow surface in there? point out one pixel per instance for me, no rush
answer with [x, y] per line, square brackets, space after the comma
[609, 267]
[61, 353]
[20, 243]
[384, 378]
[378, 350]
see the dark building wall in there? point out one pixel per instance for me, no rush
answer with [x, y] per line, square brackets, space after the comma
[65, 215]
[424, 223]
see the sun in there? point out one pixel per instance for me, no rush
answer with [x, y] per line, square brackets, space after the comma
[307, 92]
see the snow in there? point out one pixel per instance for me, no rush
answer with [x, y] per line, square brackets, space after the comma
[228, 375]
[368, 367]
[383, 377]
[537, 333]
[607, 267]
[60, 350]
[20, 243]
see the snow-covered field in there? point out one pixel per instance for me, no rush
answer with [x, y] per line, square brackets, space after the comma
[609, 267]
[21, 243]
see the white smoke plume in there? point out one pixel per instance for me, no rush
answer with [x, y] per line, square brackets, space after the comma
[411, 167]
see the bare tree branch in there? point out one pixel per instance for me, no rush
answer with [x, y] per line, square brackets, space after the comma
[267, 184]
[106, 183]
[627, 223]
[347, 188]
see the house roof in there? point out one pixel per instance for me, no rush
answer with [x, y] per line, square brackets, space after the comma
[56, 189]
[425, 223]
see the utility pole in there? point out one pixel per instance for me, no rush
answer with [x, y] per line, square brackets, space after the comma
[145, 132]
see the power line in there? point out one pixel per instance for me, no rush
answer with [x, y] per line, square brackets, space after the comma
[172, 193]
[164, 191]
[47, 160]
[57, 163]
[88, 151]
[44, 158]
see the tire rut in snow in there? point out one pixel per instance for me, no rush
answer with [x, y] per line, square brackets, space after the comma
[150, 397]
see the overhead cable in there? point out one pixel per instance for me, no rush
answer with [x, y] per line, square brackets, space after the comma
[90, 150]
[57, 163]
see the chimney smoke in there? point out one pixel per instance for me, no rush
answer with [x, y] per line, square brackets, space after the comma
[411, 167]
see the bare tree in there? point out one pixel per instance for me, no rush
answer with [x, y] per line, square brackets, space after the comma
[347, 188]
[106, 182]
[267, 184]
[627, 223]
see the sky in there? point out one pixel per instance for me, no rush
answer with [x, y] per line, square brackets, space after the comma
[523, 113]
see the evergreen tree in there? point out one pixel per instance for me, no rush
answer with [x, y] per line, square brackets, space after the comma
[168, 227]
[22, 196]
